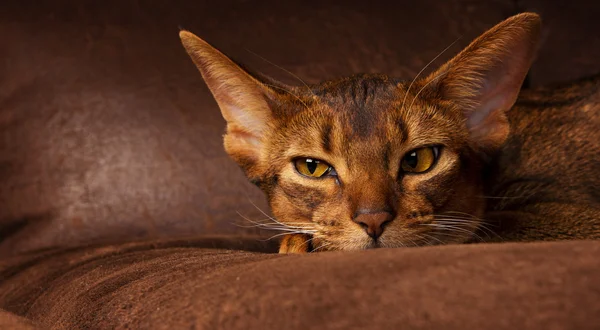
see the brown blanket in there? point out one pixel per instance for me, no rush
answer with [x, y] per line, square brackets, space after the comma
[183, 285]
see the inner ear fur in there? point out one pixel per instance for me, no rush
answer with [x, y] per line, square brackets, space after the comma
[242, 99]
[484, 79]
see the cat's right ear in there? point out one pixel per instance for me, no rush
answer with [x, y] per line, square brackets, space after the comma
[241, 98]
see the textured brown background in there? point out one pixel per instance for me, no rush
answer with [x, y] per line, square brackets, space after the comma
[109, 133]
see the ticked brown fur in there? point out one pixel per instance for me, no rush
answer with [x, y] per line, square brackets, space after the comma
[508, 169]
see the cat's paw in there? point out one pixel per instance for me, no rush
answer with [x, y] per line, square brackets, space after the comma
[295, 243]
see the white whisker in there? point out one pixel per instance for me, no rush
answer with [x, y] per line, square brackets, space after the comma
[501, 197]
[287, 71]
[435, 238]
[289, 92]
[321, 246]
[454, 228]
[423, 88]
[424, 68]
[485, 227]
[290, 233]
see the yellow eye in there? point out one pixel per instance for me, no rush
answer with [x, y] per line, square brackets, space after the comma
[420, 160]
[313, 168]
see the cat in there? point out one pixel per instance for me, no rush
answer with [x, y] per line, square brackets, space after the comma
[460, 156]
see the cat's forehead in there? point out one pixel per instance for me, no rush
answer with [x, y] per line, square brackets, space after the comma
[362, 104]
[367, 117]
[359, 91]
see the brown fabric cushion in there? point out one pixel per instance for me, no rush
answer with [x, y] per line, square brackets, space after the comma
[109, 133]
[180, 285]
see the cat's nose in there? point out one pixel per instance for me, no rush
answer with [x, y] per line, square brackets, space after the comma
[373, 222]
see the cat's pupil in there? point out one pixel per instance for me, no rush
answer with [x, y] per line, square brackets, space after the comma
[412, 160]
[311, 165]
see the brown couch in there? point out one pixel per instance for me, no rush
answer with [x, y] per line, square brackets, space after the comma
[118, 204]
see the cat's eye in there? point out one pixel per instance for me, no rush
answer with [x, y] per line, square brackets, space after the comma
[311, 167]
[420, 160]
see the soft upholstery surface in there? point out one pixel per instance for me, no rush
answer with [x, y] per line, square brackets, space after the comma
[180, 285]
[109, 133]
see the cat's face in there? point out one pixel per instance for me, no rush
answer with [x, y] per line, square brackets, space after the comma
[370, 161]
[359, 167]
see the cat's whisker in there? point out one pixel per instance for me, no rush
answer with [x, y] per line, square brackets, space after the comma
[449, 232]
[452, 235]
[289, 92]
[278, 226]
[466, 222]
[265, 214]
[308, 240]
[287, 225]
[461, 218]
[285, 229]
[485, 227]
[446, 216]
[423, 69]
[465, 217]
[471, 218]
[463, 213]
[286, 71]
[453, 222]
[411, 241]
[487, 231]
[294, 230]
[255, 223]
[321, 246]
[423, 88]
[383, 242]
[290, 233]
[251, 226]
[501, 197]
[474, 221]
[454, 228]
[275, 227]
[420, 238]
[260, 222]
[434, 238]
[259, 209]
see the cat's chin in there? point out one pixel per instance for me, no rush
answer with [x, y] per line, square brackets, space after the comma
[373, 245]
[364, 245]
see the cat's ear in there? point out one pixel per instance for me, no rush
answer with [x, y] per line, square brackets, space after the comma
[241, 97]
[484, 79]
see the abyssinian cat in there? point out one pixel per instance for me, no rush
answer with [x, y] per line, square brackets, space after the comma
[462, 155]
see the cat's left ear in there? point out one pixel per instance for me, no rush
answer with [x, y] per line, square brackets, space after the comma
[484, 79]
[242, 98]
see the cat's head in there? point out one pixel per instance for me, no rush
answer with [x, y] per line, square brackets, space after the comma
[371, 161]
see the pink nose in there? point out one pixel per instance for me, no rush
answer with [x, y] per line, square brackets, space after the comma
[373, 223]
